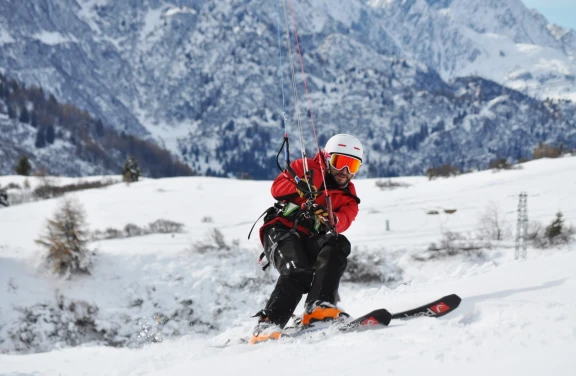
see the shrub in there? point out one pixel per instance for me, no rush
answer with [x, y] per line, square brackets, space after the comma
[389, 184]
[546, 151]
[109, 233]
[48, 190]
[214, 241]
[366, 266]
[3, 197]
[160, 226]
[452, 244]
[555, 234]
[131, 171]
[66, 239]
[133, 230]
[13, 185]
[500, 164]
[554, 229]
[164, 226]
[446, 170]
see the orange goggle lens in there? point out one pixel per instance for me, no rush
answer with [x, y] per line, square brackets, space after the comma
[339, 161]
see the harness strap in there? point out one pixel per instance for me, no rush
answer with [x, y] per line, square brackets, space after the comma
[274, 246]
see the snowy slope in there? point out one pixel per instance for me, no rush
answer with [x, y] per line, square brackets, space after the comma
[515, 316]
[515, 319]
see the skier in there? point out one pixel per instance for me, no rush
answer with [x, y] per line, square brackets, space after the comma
[297, 239]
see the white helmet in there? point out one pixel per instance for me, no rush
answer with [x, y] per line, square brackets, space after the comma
[345, 144]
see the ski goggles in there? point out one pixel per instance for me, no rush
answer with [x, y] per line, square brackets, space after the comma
[339, 161]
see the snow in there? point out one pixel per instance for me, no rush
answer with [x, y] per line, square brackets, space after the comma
[5, 36]
[184, 9]
[53, 38]
[516, 316]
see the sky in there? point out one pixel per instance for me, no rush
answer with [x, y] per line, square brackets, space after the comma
[560, 12]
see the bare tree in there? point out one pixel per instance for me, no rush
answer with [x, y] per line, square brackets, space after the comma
[66, 239]
[493, 224]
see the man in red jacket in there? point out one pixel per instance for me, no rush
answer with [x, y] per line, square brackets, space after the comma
[303, 243]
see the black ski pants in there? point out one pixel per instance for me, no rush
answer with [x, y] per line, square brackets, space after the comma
[307, 264]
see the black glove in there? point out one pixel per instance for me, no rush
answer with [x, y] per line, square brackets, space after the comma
[306, 191]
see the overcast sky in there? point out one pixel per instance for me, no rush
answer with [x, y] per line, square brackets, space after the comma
[560, 12]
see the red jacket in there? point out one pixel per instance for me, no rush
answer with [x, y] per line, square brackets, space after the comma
[344, 200]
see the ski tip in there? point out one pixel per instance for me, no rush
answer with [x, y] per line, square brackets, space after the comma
[446, 305]
[380, 316]
[452, 300]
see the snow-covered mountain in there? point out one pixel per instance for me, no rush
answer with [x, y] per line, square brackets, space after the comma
[499, 40]
[515, 315]
[201, 76]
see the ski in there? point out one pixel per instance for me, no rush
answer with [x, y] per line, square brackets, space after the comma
[381, 317]
[377, 318]
[437, 308]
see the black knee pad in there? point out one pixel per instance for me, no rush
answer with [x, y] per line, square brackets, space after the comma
[334, 244]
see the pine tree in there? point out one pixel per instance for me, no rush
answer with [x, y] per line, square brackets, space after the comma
[99, 128]
[40, 138]
[11, 112]
[131, 171]
[34, 119]
[24, 115]
[50, 134]
[555, 228]
[23, 167]
[66, 239]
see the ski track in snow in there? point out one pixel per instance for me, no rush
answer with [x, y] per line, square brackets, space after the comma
[516, 317]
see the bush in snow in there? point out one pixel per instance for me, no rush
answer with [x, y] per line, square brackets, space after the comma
[49, 189]
[446, 170]
[367, 266]
[49, 325]
[554, 229]
[452, 244]
[557, 233]
[164, 226]
[131, 230]
[159, 226]
[131, 171]
[389, 184]
[66, 239]
[499, 164]
[13, 185]
[213, 242]
[544, 150]
[3, 197]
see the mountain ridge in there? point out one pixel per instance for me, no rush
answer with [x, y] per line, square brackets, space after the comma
[202, 78]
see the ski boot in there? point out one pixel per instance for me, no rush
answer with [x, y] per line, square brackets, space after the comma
[265, 330]
[324, 312]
